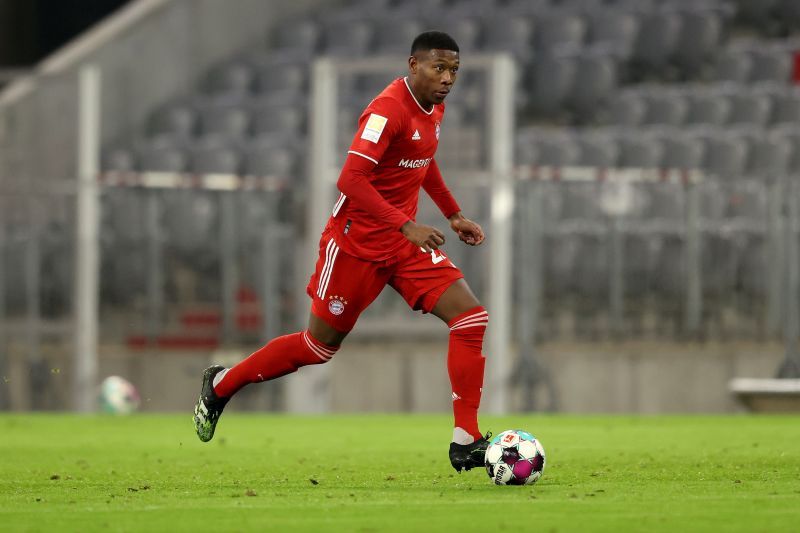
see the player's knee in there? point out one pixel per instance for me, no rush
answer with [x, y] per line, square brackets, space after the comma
[324, 352]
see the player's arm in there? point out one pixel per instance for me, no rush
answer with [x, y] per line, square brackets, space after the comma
[468, 231]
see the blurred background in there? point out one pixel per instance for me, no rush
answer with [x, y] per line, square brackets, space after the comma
[160, 200]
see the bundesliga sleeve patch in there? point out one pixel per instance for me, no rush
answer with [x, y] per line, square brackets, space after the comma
[374, 128]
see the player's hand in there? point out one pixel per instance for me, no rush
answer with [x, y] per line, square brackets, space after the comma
[426, 237]
[468, 231]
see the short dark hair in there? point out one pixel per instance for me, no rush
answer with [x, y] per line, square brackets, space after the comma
[433, 40]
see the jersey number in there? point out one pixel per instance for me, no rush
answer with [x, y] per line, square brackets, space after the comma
[437, 258]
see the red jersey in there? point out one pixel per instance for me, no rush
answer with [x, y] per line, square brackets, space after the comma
[397, 138]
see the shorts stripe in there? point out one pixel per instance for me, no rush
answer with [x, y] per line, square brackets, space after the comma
[339, 203]
[330, 257]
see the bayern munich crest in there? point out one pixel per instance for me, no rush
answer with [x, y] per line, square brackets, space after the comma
[336, 305]
[438, 130]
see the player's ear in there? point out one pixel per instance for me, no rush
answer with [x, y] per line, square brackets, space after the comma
[412, 64]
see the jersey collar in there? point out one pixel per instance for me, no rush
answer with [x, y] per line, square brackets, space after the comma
[405, 80]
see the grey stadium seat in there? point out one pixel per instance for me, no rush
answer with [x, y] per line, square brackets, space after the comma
[707, 108]
[771, 64]
[299, 37]
[612, 28]
[276, 74]
[749, 108]
[212, 156]
[466, 30]
[681, 151]
[726, 155]
[769, 155]
[177, 120]
[395, 36]
[666, 108]
[278, 118]
[162, 154]
[640, 151]
[348, 36]
[786, 107]
[268, 158]
[235, 79]
[119, 159]
[513, 34]
[627, 109]
[700, 35]
[657, 38]
[557, 150]
[732, 65]
[553, 79]
[560, 29]
[226, 119]
[597, 149]
[594, 82]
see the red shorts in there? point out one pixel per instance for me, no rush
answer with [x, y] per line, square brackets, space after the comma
[343, 285]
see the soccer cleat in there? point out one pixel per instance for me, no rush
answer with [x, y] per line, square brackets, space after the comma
[469, 456]
[209, 406]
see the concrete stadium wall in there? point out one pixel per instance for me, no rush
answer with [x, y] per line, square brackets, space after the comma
[398, 376]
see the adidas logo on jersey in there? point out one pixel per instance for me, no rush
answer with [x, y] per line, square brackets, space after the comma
[416, 136]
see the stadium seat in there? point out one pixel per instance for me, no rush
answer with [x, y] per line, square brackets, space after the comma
[786, 107]
[394, 37]
[177, 120]
[277, 75]
[731, 65]
[190, 220]
[212, 156]
[726, 155]
[639, 151]
[700, 35]
[268, 157]
[749, 108]
[769, 155]
[657, 39]
[594, 82]
[348, 36]
[614, 29]
[506, 33]
[666, 108]
[597, 150]
[299, 37]
[707, 108]
[466, 30]
[771, 64]
[233, 78]
[628, 108]
[119, 159]
[229, 119]
[560, 29]
[557, 149]
[681, 151]
[553, 79]
[278, 118]
[163, 154]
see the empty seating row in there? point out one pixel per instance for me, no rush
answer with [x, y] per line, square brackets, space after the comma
[724, 153]
[714, 104]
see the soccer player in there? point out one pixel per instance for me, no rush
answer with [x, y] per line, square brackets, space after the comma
[371, 240]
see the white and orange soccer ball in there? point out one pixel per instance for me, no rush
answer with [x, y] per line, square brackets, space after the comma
[515, 457]
[118, 396]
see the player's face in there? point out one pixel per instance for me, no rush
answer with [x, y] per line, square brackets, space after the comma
[433, 74]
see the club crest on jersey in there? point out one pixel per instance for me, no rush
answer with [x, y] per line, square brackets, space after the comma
[438, 130]
[336, 305]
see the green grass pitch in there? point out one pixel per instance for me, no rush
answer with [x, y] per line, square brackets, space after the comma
[391, 473]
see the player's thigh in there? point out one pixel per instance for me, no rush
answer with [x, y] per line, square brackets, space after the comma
[341, 287]
[423, 278]
[456, 300]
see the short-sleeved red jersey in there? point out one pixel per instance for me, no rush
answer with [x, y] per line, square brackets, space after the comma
[400, 137]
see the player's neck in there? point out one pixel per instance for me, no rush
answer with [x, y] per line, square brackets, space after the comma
[427, 106]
